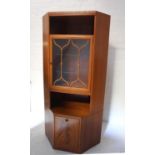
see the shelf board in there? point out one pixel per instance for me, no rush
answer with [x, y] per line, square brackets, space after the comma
[67, 90]
[72, 109]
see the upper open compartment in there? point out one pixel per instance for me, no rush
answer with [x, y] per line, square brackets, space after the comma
[72, 25]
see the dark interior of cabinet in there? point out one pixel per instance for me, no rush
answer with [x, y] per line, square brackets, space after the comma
[71, 24]
[58, 99]
[72, 104]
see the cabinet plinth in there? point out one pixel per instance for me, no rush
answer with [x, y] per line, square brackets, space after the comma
[75, 50]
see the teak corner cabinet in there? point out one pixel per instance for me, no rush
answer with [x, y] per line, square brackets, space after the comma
[75, 50]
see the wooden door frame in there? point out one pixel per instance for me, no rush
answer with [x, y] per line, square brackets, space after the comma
[71, 90]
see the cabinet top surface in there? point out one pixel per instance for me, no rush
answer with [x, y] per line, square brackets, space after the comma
[75, 13]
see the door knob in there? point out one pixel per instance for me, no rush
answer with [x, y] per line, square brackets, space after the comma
[66, 120]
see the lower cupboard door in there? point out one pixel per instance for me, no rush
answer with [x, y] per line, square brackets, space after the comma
[67, 133]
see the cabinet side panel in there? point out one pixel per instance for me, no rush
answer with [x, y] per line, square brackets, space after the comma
[46, 59]
[48, 114]
[90, 131]
[102, 24]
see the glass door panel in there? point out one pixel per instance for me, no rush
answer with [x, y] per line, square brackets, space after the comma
[70, 59]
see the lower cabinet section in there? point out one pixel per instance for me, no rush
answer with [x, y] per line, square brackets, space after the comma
[73, 133]
[66, 133]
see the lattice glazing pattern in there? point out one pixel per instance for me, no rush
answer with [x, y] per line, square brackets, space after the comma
[70, 62]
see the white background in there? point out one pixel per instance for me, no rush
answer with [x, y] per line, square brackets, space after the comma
[14, 79]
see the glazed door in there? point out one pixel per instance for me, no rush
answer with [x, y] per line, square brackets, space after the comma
[70, 58]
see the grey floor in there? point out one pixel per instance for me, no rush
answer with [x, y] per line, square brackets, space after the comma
[112, 141]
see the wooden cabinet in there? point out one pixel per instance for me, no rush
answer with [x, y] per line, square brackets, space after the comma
[75, 50]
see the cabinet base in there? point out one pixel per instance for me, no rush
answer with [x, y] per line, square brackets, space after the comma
[74, 134]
